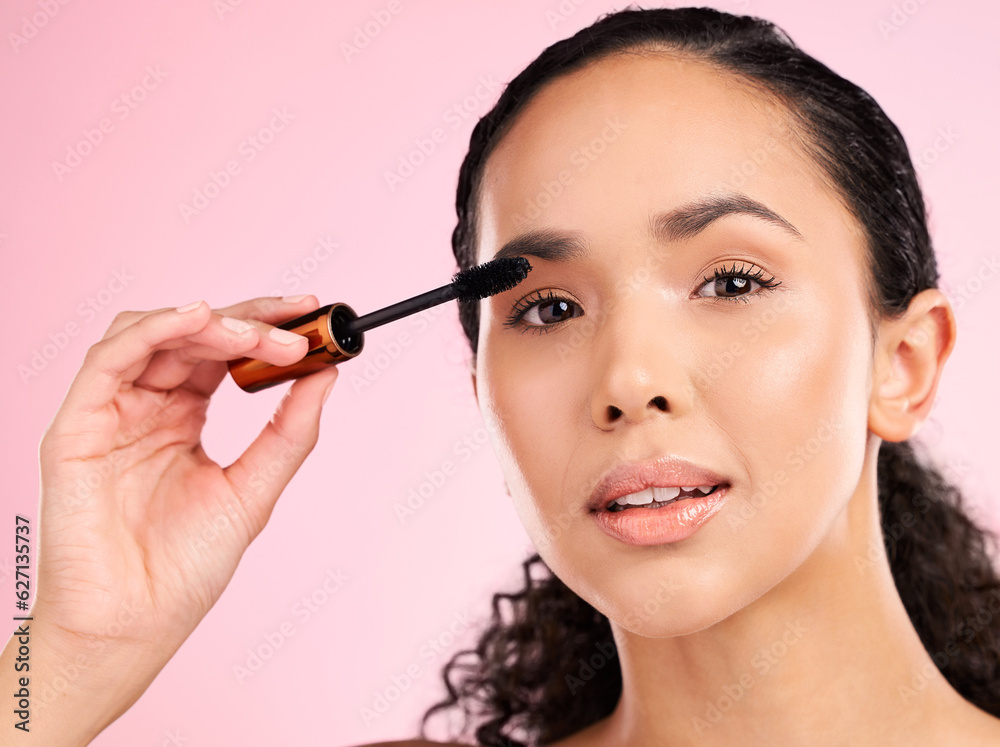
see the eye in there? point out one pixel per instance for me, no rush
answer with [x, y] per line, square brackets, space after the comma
[538, 312]
[735, 284]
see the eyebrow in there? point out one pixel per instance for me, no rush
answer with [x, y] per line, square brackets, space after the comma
[680, 224]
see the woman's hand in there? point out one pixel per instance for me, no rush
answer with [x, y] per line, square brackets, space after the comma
[140, 531]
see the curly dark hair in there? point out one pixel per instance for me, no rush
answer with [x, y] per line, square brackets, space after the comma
[523, 683]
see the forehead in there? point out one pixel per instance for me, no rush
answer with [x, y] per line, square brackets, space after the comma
[636, 133]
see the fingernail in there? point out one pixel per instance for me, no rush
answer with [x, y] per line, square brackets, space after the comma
[294, 299]
[189, 307]
[283, 336]
[329, 388]
[238, 326]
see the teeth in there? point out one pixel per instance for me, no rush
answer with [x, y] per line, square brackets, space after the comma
[666, 494]
[640, 498]
[663, 495]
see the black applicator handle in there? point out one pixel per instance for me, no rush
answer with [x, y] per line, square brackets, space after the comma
[336, 333]
[401, 309]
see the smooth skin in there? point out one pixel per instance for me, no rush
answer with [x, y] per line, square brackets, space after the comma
[124, 578]
[778, 622]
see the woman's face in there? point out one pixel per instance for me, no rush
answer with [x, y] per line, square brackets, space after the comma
[639, 357]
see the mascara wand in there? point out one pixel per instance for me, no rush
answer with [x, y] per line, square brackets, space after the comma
[335, 333]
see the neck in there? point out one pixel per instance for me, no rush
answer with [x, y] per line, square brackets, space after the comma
[829, 650]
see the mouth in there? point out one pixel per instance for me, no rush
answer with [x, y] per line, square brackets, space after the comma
[644, 520]
[655, 497]
[655, 483]
[657, 502]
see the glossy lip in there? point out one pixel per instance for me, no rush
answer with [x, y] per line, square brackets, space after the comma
[658, 526]
[665, 472]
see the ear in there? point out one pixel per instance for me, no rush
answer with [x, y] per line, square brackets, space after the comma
[910, 354]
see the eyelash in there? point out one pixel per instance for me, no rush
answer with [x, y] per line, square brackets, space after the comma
[756, 275]
[533, 299]
[526, 304]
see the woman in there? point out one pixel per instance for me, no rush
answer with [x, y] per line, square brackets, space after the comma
[732, 312]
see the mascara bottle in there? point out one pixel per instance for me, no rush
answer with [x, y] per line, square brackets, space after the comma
[336, 333]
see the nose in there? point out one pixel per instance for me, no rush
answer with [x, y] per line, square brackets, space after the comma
[640, 374]
[659, 402]
[629, 404]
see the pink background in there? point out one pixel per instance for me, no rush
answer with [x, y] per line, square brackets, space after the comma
[223, 71]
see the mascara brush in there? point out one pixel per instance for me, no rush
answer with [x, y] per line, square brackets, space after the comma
[335, 333]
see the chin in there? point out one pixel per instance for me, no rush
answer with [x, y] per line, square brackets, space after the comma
[656, 595]
[644, 612]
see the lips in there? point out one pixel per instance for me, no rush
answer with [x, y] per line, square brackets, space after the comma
[630, 478]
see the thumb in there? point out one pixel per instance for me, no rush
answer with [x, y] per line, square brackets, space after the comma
[260, 474]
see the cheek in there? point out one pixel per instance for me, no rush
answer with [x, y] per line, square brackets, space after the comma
[532, 404]
[795, 409]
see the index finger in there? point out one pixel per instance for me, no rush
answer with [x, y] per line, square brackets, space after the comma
[120, 359]
[269, 309]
